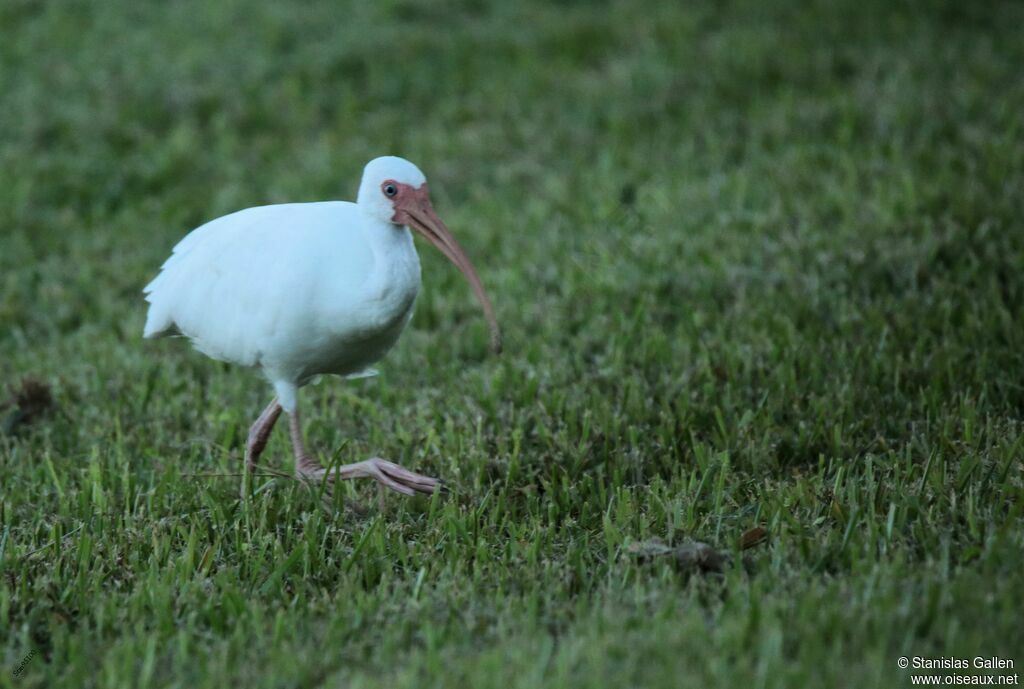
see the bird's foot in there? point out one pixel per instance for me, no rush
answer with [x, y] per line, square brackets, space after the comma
[398, 478]
[388, 474]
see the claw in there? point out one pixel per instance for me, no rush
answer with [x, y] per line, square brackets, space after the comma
[387, 474]
[398, 478]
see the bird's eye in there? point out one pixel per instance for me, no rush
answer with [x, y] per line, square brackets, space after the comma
[390, 189]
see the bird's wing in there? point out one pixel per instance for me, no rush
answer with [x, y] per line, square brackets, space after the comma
[230, 284]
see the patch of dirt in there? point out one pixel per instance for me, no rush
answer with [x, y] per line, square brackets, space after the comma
[27, 402]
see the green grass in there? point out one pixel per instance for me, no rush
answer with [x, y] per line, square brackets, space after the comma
[758, 264]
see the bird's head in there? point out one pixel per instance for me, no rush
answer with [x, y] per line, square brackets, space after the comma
[395, 191]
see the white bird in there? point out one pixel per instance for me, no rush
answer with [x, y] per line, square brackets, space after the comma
[304, 289]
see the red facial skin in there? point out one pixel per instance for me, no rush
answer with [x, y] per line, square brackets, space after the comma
[413, 208]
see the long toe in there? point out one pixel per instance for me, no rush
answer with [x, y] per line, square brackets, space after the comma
[400, 479]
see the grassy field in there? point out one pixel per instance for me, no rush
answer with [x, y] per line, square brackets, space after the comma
[758, 265]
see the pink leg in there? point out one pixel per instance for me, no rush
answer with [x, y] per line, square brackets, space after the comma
[259, 434]
[386, 473]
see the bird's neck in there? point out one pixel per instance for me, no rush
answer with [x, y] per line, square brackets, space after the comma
[387, 241]
[394, 253]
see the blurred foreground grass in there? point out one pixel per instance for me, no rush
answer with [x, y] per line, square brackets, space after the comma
[757, 264]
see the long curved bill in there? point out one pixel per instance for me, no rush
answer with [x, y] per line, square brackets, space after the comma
[425, 220]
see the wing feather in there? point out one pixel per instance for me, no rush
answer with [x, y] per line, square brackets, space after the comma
[234, 282]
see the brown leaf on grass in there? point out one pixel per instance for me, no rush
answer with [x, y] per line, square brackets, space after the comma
[687, 556]
[28, 400]
[752, 537]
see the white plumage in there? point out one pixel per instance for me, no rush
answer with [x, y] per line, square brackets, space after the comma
[305, 289]
[275, 287]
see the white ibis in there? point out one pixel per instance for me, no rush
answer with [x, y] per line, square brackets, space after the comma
[304, 289]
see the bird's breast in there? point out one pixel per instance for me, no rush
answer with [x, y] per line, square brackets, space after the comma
[362, 324]
[389, 296]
